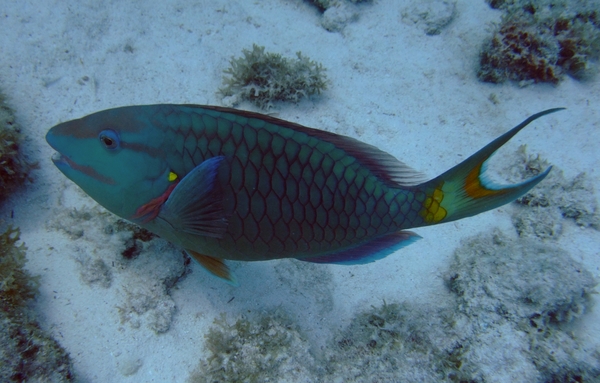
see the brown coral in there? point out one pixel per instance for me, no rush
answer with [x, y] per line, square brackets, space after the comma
[518, 52]
[541, 41]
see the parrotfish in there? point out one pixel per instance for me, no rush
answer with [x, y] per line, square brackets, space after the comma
[226, 184]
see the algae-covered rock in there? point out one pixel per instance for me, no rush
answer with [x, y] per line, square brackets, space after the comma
[519, 280]
[268, 348]
[17, 286]
[523, 298]
[398, 342]
[27, 353]
[150, 280]
[552, 201]
[336, 14]
[13, 167]
[432, 16]
[508, 317]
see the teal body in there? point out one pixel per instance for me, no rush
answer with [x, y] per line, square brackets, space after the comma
[229, 184]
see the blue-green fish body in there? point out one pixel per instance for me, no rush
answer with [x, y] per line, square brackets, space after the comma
[229, 184]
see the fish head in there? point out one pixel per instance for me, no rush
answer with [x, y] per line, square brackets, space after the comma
[115, 156]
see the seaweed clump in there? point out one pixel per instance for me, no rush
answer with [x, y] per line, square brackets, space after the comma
[263, 78]
[541, 41]
[27, 354]
[13, 167]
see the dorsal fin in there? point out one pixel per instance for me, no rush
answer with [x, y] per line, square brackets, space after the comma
[383, 165]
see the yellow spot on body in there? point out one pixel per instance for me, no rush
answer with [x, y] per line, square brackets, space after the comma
[432, 211]
[172, 176]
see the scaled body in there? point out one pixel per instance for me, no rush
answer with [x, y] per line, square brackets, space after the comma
[229, 184]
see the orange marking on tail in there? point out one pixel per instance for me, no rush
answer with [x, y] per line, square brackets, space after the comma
[474, 188]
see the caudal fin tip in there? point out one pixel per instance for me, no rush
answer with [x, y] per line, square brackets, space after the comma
[524, 187]
[541, 176]
[553, 110]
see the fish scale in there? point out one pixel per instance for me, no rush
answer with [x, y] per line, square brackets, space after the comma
[333, 200]
[230, 184]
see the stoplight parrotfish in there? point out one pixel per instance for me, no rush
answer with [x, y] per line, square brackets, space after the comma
[231, 184]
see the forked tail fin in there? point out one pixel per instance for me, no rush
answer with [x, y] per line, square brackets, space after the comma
[464, 191]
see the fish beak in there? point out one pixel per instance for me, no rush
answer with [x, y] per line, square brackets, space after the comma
[60, 161]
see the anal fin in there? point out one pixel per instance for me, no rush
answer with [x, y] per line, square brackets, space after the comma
[215, 266]
[368, 252]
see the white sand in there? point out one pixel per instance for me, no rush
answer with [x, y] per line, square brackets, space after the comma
[412, 95]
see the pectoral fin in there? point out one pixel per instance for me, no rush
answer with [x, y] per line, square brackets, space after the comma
[194, 206]
[215, 266]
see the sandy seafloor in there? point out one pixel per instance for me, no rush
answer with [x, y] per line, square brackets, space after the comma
[413, 95]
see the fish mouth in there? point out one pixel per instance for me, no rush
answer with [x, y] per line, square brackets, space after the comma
[65, 164]
[61, 160]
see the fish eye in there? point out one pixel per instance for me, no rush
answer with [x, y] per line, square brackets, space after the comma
[109, 138]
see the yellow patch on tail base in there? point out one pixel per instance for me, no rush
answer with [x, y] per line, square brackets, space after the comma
[432, 211]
